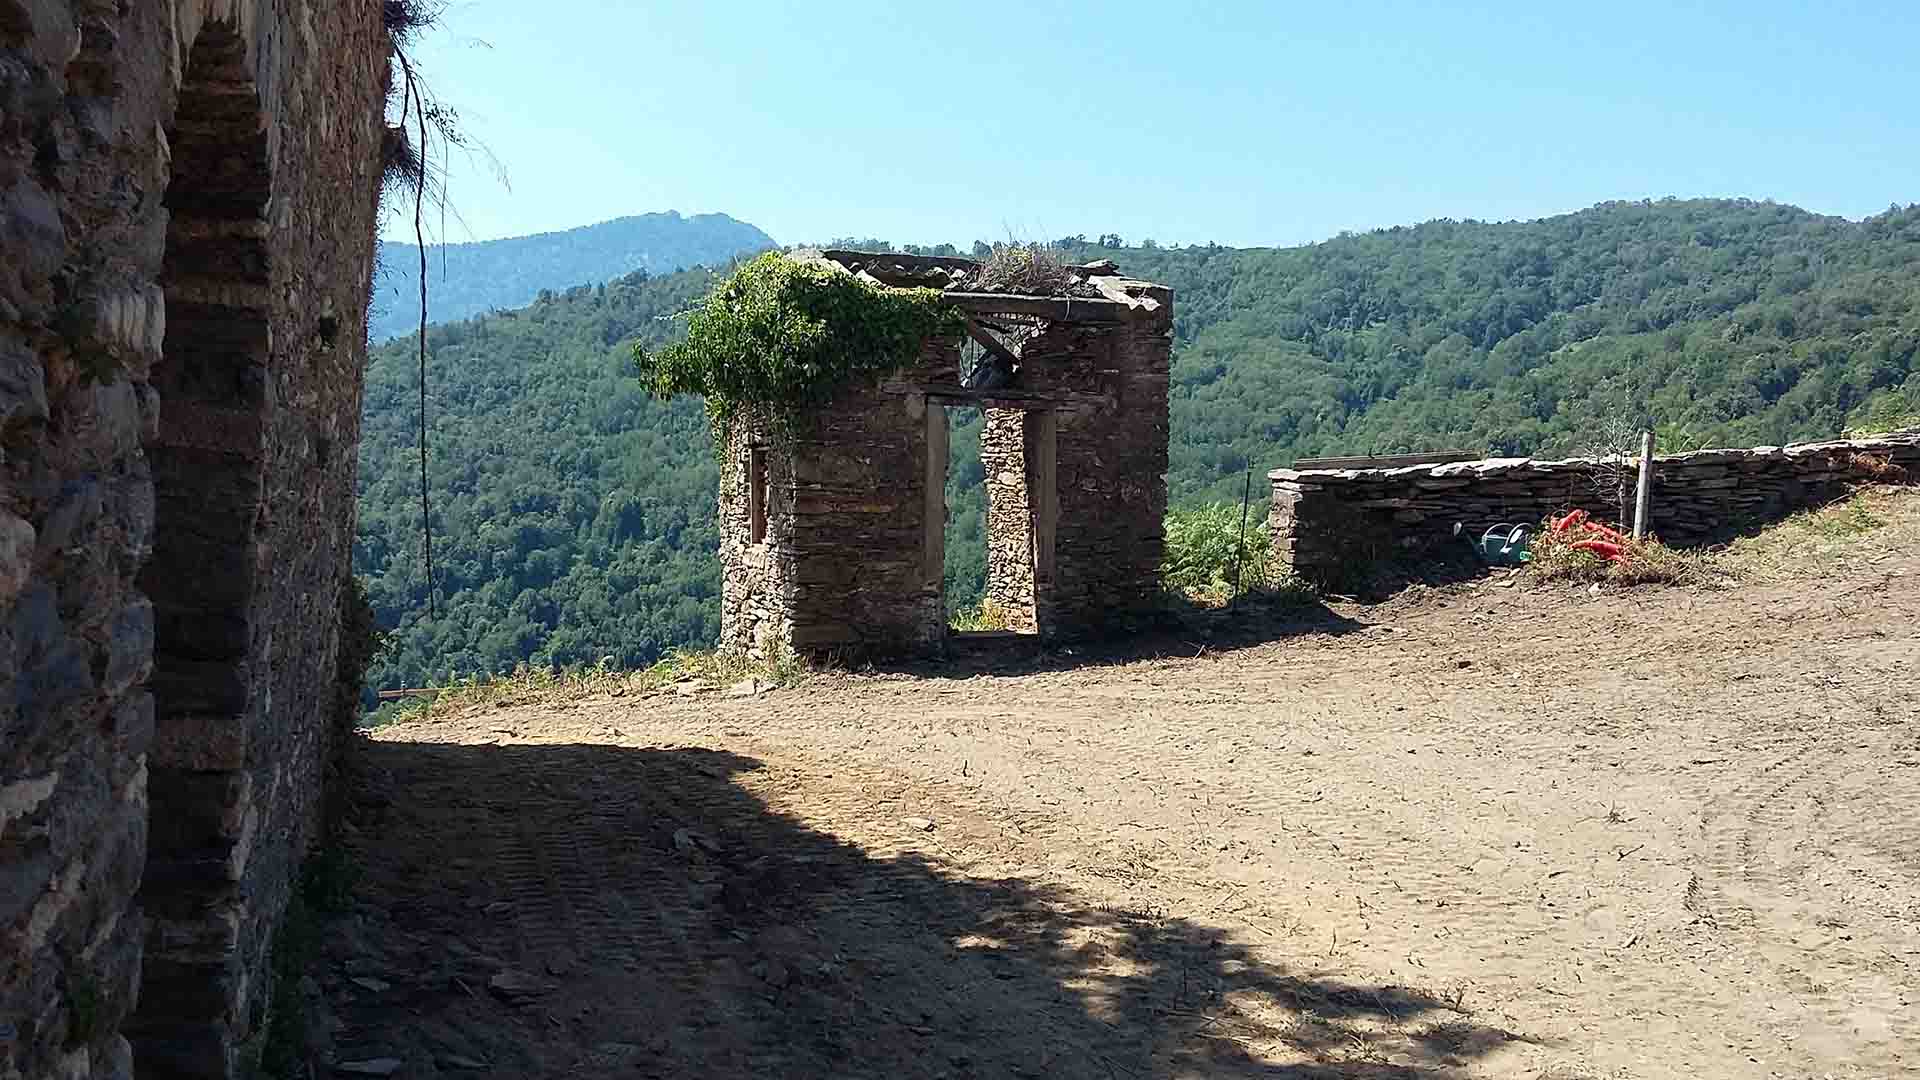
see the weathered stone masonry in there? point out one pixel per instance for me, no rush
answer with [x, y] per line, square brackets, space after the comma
[1076, 458]
[1327, 524]
[188, 191]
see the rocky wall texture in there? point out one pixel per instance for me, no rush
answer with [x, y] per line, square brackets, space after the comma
[1009, 519]
[188, 192]
[1110, 465]
[1331, 525]
[843, 565]
[756, 612]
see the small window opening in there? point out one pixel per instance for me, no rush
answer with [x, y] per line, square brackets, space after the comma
[757, 494]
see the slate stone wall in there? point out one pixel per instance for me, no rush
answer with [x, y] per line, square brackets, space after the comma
[1111, 467]
[1009, 518]
[1330, 524]
[188, 192]
[848, 482]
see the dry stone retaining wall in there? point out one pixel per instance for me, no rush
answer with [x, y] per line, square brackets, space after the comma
[188, 191]
[1330, 524]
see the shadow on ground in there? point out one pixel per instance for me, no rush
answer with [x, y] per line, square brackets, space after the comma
[602, 911]
[1182, 628]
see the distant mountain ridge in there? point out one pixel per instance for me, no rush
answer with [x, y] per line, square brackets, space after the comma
[464, 280]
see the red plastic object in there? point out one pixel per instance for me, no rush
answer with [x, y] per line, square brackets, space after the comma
[1606, 549]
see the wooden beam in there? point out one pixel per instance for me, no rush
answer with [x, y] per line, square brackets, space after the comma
[989, 342]
[1024, 400]
[1058, 308]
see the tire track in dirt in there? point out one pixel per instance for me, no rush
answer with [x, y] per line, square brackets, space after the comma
[1507, 792]
[1756, 897]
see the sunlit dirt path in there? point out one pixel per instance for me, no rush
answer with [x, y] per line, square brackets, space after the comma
[1478, 831]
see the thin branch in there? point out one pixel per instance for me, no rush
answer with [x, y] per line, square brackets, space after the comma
[410, 104]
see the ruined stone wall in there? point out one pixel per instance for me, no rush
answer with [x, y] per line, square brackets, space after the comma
[187, 201]
[1111, 447]
[756, 610]
[1009, 520]
[1076, 461]
[860, 493]
[1330, 524]
[844, 564]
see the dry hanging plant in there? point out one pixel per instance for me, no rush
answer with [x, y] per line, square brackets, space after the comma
[407, 164]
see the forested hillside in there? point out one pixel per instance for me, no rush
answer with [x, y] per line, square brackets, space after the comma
[574, 517]
[1718, 322]
[468, 279]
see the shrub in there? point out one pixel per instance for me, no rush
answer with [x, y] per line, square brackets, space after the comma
[779, 335]
[1208, 554]
[986, 615]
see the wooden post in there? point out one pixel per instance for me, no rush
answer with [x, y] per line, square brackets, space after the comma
[1644, 496]
[1240, 552]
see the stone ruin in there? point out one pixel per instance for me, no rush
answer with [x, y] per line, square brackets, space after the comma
[832, 535]
[188, 198]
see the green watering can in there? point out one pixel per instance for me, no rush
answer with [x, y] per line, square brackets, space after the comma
[1502, 545]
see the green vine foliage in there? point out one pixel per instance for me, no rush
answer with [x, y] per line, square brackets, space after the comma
[780, 336]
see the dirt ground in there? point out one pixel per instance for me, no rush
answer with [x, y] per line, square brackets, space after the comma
[1481, 830]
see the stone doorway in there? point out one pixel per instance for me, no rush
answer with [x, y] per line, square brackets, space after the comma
[1017, 505]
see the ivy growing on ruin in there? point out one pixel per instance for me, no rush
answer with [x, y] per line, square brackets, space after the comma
[779, 336]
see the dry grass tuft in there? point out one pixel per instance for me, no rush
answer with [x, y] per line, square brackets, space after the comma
[1876, 468]
[405, 18]
[987, 615]
[1028, 270]
[1870, 524]
[400, 162]
[1644, 562]
[529, 684]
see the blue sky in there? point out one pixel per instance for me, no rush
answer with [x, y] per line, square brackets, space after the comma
[1242, 123]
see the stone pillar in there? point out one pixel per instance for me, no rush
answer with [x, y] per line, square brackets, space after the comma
[1009, 521]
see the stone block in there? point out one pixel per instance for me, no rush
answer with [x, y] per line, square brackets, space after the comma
[115, 411]
[130, 729]
[70, 523]
[58, 677]
[23, 385]
[32, 235]
[115, 1062]
[129, 647]
[130, 507]
[18, 541]
[25, 874]
[185, 687]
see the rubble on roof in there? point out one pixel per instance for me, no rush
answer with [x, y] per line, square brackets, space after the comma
[1094, 280]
